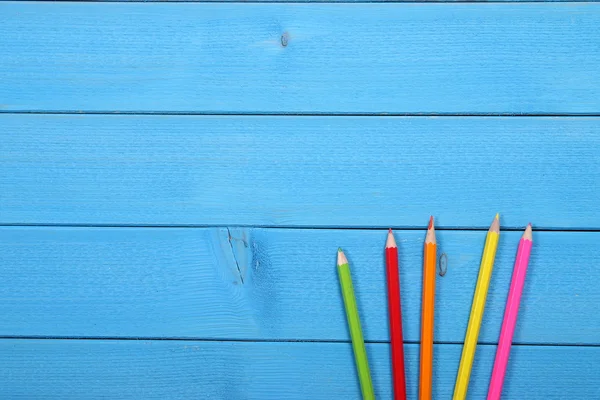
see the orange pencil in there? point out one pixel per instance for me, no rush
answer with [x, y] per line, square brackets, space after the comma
[428, 301]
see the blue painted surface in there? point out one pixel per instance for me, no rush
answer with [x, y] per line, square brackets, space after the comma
[340, 58]
[244, 370]
[278, 284]
[163, 255]
[300, 171]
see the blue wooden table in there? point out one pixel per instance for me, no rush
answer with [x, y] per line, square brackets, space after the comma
[175, 179]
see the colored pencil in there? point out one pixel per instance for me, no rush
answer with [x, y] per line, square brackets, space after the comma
[510, 315]
[477, 307]
[395, 317]
[428, 301]
[358, 343]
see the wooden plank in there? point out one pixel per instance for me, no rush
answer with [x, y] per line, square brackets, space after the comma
[33, 369]
[299, 171]
[279, 284]
[338, 58]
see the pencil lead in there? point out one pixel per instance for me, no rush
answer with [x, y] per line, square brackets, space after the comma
[430, 222]
[339, 250]
[497, 215]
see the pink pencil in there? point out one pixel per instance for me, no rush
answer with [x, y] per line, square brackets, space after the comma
[510, 315]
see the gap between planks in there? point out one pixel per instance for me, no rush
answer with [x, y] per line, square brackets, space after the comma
[299, 113]
[327, 1]
[192, 339]
[298, 227]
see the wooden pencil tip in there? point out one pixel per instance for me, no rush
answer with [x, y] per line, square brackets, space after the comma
[430, 237]
[497, 215]
[341, 257]
[527, 235]
[390, 242]
[495, 227]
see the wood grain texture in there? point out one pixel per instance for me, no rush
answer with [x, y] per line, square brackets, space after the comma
[279, 284]
[300, 171]
[338, 58]
[67, 369]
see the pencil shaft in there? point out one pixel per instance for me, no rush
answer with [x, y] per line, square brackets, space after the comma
[510, 320]
[477, 308]
[395, 319]
[427, 317]
[358, 344]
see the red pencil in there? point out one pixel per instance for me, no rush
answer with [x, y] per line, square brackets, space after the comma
[395, 313]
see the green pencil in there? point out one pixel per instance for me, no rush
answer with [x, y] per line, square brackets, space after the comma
[358, 344]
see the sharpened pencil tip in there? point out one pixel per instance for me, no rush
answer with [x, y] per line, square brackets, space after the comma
[497, 215]
[430, 237]
[341, 257]
[495, 227]
[527, 235]
[390, 242]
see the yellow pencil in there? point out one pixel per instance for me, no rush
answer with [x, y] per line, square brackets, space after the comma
[483, 282]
